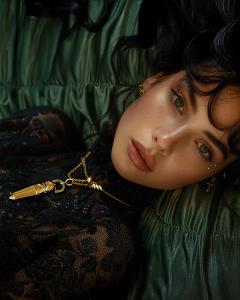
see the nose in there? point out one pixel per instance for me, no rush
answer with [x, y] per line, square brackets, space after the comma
[166, 142]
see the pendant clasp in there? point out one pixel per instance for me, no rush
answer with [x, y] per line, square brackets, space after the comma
[62, 186]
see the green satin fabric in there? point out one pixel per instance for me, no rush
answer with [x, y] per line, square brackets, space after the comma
[190, 239]
[190, 247]
[39, 67]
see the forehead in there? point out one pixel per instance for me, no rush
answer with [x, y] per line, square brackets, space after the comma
[225, 107]
[226, 110]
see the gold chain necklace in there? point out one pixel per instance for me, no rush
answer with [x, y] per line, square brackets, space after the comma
[52, 185]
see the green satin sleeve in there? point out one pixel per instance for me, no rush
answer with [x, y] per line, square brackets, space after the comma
[190, 247]
[38, 66]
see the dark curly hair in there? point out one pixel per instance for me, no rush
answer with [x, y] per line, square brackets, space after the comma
[182, 35]
[186, 34]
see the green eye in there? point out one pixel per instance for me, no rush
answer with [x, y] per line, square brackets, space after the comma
[204, 151]
[178, 101]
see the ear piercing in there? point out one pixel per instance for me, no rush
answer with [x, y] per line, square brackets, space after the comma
[212, 167]
[140, 90]
[211, 182]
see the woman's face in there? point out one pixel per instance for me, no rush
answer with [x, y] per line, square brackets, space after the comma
[165, 140]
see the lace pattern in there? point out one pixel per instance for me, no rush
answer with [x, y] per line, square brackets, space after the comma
[57, 246]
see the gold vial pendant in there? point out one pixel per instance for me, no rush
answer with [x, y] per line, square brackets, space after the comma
[33, 190]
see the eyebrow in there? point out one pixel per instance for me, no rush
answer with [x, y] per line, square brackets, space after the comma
[219, 144]
[190, 91]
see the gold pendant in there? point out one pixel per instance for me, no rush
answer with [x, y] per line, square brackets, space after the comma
[59, 185]
[210, 184]
[40, 188]
[33, 190]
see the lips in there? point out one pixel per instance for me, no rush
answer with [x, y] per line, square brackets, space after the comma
[140, 156]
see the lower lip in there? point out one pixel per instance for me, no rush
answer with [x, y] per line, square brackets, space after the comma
[136, 158]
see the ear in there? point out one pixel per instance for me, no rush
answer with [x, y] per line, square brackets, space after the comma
[147, 84]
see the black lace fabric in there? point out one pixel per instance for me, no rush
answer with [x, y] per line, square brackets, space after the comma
[65, 245]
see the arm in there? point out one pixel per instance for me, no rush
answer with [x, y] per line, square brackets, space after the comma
[38, 130]
[81, 262]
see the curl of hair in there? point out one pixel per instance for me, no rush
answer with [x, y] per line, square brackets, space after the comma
[201, 37]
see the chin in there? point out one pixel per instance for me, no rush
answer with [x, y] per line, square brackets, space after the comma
[122, 170]
[119, 167]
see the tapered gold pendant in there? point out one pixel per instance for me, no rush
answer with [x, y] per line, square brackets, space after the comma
[59, 185]
[33, 190]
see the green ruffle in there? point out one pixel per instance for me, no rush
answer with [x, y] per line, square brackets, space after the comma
[190, 247]
[39, 67]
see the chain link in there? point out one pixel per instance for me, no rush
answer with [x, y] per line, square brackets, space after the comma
[59, 185]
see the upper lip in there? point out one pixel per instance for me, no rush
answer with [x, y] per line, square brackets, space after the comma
[145, 154]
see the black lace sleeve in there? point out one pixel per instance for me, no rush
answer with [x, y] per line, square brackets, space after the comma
[80, 263]
[38, 130]
[70, 245]
[67, 246]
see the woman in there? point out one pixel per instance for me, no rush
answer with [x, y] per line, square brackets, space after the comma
[79, 240]
[50, 243]
[190, 236]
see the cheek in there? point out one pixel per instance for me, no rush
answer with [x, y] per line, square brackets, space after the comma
[180, 170]
[132, 119]
[175, 176]
[146, 112]
[139, 109]
[188, 173]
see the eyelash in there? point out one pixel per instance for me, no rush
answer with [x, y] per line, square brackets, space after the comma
[177, 95]
[207, 150]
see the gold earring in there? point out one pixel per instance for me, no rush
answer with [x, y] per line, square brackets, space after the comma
[212, 168]
[140, 90]
[211, 183]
